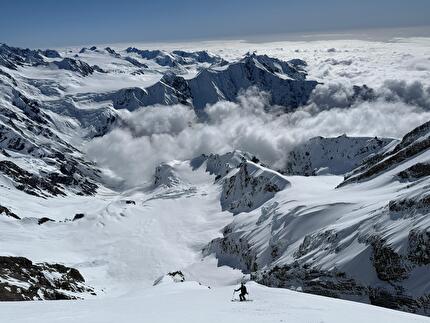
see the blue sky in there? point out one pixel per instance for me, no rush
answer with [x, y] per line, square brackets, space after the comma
[41, 23]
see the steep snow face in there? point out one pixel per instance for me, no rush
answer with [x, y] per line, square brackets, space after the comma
[249, 187]
[78, 66]
[36, 154]
[334, 155]
[364, 241]
[221, 165]
[165, 175]
[414, 143]
[285, 83]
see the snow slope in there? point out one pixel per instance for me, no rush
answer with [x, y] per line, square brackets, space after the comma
[360, 241]
[189, 302]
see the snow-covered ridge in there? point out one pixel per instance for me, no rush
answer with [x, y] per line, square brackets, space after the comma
[365, 242]
[285, 81]
[20, 279]
[412, 145]
[249, 187]
[177, 57]
[336, 156]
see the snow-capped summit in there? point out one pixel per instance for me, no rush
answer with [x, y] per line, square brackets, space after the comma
[12, 57]
[77, 66]
[285, 84]
[177, 57]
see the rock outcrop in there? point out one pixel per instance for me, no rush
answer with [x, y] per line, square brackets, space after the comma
[23, 280]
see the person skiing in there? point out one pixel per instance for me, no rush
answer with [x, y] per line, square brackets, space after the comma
[243, 292]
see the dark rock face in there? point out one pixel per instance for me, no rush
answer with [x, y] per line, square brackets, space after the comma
[388, 264]
[51, 184]
[30, 108]
[78, 216]
[289, 93]
[363, 93]
[409, 205]
[160, 57]
[392, 267]
[78, 66]
[165, 176]
[12, 57]
[181, 87]
[23, 280]
[44, 220]
[314, 241]
[177, 276]
[27, 182]
[199, 57]
[112, 52]
[177, 57]
[309, 280]
[233, 251]
[135, 62]
[412, 144]
[26, 128]
[5, 211]
[249, 188]
[415, 172]
[50, 53]
[419, 247]
[338, 285]
[212, 85]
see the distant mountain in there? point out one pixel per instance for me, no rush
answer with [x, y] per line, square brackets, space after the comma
[284, 81]
[177, 57]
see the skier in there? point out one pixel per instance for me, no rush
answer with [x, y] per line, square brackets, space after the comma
[243, 292]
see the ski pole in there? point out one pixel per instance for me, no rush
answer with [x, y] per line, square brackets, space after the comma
[232, 296]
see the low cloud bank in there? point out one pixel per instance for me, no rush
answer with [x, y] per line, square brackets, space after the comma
[152, 135]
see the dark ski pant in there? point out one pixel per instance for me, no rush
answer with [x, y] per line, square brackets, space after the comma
[242, 297]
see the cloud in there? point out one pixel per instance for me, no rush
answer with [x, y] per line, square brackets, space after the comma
[152, 135]
[414, 93]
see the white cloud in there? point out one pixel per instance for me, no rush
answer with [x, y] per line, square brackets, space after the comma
[397, 71]
[152, 135]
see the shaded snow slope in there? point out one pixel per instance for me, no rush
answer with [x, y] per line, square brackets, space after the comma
[364, 242]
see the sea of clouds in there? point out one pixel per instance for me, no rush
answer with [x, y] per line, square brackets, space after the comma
[156, 134]
[396, 100]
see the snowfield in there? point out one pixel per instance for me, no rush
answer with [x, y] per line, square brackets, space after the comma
[189, 302]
